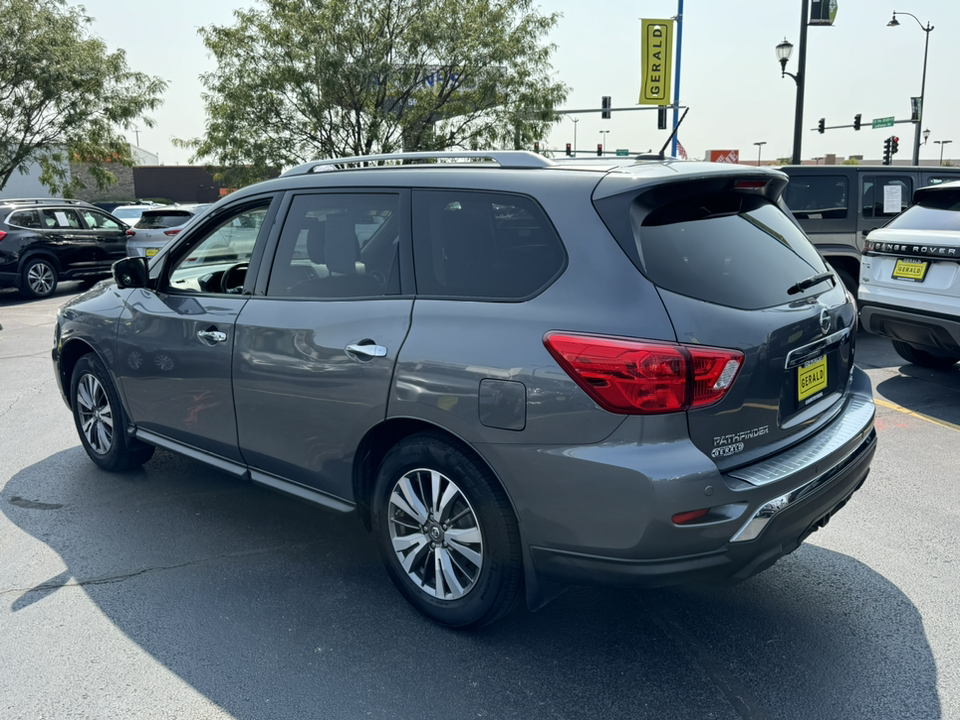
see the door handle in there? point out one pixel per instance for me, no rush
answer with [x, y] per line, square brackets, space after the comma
[212, 336]
[369, 349]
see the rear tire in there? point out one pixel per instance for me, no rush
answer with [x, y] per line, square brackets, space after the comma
[924, 358]
[447, 533]
[39, 278]
[100, 420]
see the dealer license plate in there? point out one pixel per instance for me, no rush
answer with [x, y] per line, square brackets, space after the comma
[152, 251]
[912, 270]
[811, 378]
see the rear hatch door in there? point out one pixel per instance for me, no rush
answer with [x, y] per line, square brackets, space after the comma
[734, 271]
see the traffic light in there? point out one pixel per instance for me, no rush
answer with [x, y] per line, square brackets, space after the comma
[856, 121]
[536, 147]
[886, 150]
[599, 149]
[821, 126]
[894, 145]
[569, 149]
[605, 104]
[661, 118]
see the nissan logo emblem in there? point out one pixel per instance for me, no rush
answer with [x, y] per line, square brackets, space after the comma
[824, 321]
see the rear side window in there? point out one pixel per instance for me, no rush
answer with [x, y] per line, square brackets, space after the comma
[25, 219]
[728, 248]
[482, 245]
[937, 211]
[160, 220]
[819, 197]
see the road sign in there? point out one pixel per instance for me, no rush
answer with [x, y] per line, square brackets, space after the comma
[622, 152]
[882, 122]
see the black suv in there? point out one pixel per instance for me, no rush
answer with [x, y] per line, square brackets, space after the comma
[46, 240]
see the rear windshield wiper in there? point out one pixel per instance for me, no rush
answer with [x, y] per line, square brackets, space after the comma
[810, 282]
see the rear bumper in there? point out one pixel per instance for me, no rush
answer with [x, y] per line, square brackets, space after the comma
[915, 327]
[787, 523]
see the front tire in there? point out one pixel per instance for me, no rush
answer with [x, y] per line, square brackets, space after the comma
[39, 278]
[447, 533]
[923, 358]
[99, 418]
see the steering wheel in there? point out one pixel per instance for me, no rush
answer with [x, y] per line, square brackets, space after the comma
[233, 277]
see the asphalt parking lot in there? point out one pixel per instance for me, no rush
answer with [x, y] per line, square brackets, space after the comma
[178, 592]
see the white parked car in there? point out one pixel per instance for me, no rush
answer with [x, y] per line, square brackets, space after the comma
[910, 279]
[158, 226]
[130, 214]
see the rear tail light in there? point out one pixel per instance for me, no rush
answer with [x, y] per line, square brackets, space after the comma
[751, 184]
[637, 377]
[2, 235]
[130, 233]
[171, 233]
[687, 517]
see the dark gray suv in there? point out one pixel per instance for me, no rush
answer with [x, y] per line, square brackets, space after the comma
[521, 375]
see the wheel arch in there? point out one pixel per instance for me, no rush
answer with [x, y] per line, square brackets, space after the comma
[30, 253]
[70, 353]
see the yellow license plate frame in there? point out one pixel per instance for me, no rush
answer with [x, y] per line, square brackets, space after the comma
[152, 251]
[910, 269]
[811, 378]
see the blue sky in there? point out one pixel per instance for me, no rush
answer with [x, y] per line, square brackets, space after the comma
[730, 76]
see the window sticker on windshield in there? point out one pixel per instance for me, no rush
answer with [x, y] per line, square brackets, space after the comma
[892, 198]
[61, 218]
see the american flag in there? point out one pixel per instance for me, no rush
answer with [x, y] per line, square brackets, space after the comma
[680, 151]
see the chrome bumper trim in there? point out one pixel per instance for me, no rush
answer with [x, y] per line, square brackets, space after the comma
[856, 419]
[766, 512]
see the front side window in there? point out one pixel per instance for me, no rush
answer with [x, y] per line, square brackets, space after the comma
[886, 196]
[99, 221]
[338, 245]
[217, 262]
[816, 197]
[483, 245]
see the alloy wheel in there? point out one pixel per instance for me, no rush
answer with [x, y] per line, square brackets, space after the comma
[40, 278]
[95, 414]
[435, 534]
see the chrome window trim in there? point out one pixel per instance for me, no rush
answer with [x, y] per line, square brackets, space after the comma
[796, 358]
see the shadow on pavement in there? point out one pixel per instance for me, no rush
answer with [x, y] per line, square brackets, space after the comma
[934, 393]
[271, 608]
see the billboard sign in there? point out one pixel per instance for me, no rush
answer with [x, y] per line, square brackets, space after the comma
[656, 62]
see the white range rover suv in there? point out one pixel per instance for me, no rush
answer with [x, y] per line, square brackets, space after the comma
[910, 279]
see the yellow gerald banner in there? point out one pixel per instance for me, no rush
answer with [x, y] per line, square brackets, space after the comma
[656, 58]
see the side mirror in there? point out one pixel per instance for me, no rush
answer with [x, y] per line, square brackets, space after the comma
[131, 272]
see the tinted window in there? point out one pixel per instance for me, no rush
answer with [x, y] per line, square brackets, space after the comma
[201, 266]
[937, 211]
[25, 219]
[730, 249]
[338, 245]
[158, 220]
[485, 245]
[819, 197]
[939, 179]
[886, 196]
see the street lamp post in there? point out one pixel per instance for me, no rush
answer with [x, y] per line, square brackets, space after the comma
[604, 133]
[783, 54]
[941, 143]
[759, 150]
[923, 81]
[926, 135]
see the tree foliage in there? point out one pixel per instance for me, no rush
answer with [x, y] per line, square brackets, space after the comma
[62, 95]
[302, 79]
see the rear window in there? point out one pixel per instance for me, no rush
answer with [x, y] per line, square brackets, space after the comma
[937, 211]
[818, 197]
[726, 248]
[166, 219]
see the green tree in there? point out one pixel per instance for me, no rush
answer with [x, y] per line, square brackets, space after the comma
[62, 95]
[302, 79]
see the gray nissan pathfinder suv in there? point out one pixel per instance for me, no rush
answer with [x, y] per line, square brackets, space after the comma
[521, 375]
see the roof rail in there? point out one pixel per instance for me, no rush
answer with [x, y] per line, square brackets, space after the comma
[503, 158]
[44, 201]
